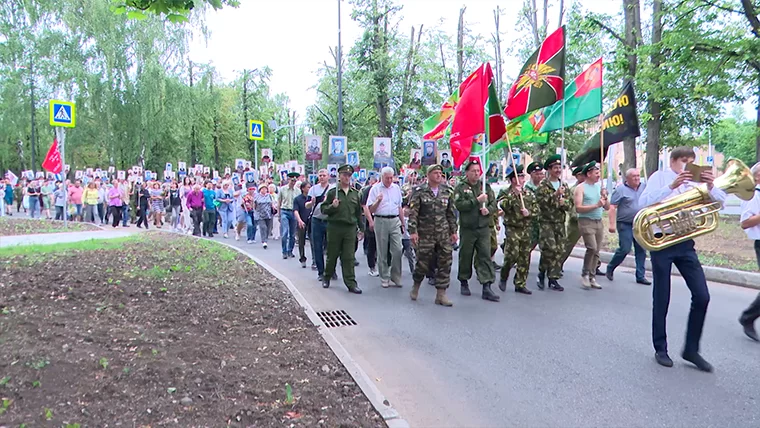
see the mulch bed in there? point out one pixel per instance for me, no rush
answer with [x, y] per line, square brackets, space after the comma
[10, 226]
[163, 331]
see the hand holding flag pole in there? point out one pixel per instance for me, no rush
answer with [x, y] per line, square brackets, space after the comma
[514, 168]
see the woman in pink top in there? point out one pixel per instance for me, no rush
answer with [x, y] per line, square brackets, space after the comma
[114, 197]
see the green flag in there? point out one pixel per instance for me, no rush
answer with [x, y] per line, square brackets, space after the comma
[583, 100]
[524, 129]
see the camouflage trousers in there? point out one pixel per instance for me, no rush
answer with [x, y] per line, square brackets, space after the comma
[573, 235]
[494, 241]
[434, 253]
[517, 251]
[552, 239]
[534, 233]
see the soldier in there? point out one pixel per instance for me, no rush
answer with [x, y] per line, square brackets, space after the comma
[517, 222]
[344, 226]
[553, 198]
[433, 231]
[536, 171]
[573, 233]
[475, 215]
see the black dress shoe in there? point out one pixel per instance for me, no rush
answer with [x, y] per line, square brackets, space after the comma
[523, 290]
[643, 281]
[599, 272]
[325, 283]
[334, 277]
[554, 285]
[541, 278]
[355, 290]
[697, 360]
[663, 359]
[356, 263]
[503, 285]
[749, 330]
[464, 288]
[610, 275]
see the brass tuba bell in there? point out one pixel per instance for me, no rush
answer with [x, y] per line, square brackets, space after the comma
[692, 213]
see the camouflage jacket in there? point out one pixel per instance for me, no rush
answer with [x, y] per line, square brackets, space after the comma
[465, 199]
[550, 208]
[429, 214]
[572, 215]
[512, 207]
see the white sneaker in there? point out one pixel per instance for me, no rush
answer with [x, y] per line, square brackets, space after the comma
[237, 236]
[250, 242]
[225, 236]
[373, 272]
[265, 245]
[385, 283]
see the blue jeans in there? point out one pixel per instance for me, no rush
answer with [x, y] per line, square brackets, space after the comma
[625, 234]
[757, 253]
[318, 241]
[124, 215]
[288, 229]
[250, 223]
[34, 207]
[227, 218]
[685, 258]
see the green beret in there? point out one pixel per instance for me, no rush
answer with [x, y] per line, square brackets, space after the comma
[432, 168]
[589, 166]
[293, 174]
[511, 172]
[470, 163]
[534, 166]
[346, 168]
[553, 160]
[578, 170]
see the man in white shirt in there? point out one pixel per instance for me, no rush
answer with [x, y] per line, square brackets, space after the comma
[384, 202]
[664, 185]
[319, 221]
[750, 222]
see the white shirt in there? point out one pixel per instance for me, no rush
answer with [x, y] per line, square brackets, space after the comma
[391, 203]
[316, 191]
[751, 208]
[658, 189]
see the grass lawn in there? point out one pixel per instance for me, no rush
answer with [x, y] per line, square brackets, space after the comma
[10, 226]
[160, 329]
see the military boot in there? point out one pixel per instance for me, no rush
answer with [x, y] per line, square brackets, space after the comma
[554, 285]
[415, 291]
[325, 282]
[541, 278]
[488, 294]
[441, 299]
[503, 285]
[465, 288]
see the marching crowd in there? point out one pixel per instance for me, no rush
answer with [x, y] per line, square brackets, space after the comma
[424, 221]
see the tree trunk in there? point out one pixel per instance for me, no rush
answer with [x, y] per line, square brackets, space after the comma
[460, 46]
[193, 148]
[215, 137]
[21, 158]
[498, 57]
[654, 126]
[449, 83]
[401, 118]
[632, 13]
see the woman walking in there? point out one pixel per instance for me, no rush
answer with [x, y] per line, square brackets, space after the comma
[175, 202]
[226, 207]
[142, 197]
[58, 195]
[250, 214]
[33, 197]
[90, 199]
[265, 210]
[274, 231]
[47, 197]
[186, 221]
[115, 201]
[157, 204]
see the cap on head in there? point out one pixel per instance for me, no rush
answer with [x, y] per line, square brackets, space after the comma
[434, 167]
[346, 169]
[511, 172]
[534, 167]
[578, 170]
[470, 163]
[590, 167]
[293, 174]
[552, 160]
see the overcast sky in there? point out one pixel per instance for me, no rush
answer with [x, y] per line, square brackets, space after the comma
[293, 37]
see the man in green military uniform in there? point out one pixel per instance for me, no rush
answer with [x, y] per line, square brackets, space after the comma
[519, 207]
[433, 231]
[573, 233]
[342, 207]
[475, 215]
[553, 198]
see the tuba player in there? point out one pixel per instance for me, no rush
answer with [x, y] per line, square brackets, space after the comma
[661, 186]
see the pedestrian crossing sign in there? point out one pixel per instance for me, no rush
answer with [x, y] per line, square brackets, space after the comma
[256, 130]
[63, 113]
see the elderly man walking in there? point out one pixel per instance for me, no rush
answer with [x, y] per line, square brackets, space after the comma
[624, 204]
[384, 202]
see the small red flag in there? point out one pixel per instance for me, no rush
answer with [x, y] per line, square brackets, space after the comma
[53, 162]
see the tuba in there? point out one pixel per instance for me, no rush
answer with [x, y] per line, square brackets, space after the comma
[692, 213]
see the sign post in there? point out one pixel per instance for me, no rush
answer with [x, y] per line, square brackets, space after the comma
[256, 133]
[62, 116]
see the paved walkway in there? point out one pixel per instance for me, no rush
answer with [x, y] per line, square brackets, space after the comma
[63, 237]
[578, 358]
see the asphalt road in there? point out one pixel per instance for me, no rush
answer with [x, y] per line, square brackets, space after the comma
[571, 359]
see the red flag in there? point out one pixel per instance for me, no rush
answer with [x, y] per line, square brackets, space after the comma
[542, 79]
[469, 117]
[53, 161]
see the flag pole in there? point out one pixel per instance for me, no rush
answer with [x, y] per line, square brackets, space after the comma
[601, 146]
[564, 158]
[514, 167]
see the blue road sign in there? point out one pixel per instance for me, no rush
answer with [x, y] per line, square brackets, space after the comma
[256, 130]
[62, 113]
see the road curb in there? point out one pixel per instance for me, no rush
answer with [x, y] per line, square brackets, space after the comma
[378, 400]
[727, 276]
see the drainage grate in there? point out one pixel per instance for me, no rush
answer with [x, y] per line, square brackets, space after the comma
[336, 319]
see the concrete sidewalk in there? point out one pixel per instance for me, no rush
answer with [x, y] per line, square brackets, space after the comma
[64, 237]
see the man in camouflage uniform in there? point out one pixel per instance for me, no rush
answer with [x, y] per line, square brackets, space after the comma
[476, 210]
[517, 222]
[410, 182]
[554, 200]
[536, 171]
[573, 233]
[433, 231]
